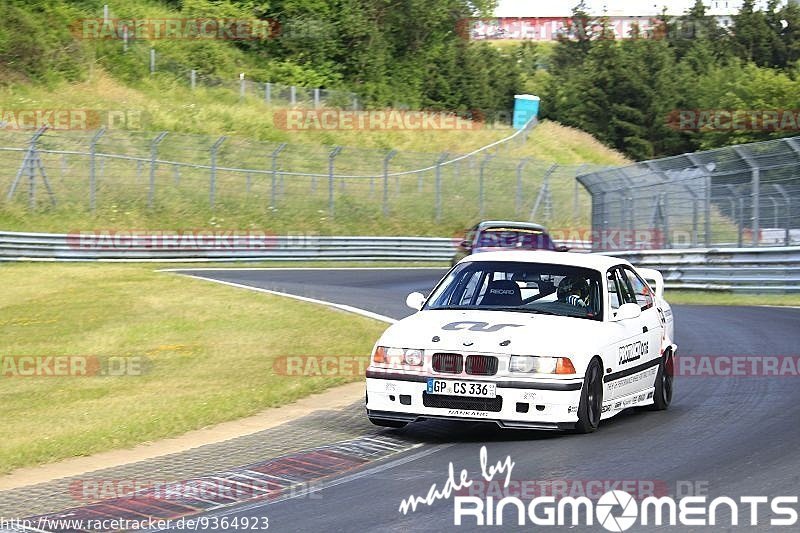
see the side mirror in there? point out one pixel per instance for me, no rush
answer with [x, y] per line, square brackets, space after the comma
[562, 248]
[465, 244]
[415, 300]
[627, 311]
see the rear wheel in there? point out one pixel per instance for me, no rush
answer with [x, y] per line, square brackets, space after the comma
[387, 423]
[591, 403]
[662, 396]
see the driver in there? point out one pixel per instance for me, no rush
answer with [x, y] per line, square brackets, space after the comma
[575, 291]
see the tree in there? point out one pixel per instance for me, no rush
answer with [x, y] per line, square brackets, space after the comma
[753, 38]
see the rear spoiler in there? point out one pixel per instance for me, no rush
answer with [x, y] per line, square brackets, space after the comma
[654, 279]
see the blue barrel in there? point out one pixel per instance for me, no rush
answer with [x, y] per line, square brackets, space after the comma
[526, 107]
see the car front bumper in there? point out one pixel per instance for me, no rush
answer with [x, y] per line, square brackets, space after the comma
[519, 404]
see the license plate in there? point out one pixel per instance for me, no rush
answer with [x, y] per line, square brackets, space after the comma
[461, 388]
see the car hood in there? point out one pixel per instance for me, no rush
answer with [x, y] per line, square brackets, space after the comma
[497, 332]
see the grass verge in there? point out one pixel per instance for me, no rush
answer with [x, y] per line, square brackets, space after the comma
[209, 349]
[682, 297]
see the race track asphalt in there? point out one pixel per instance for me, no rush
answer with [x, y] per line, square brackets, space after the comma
[722, 436]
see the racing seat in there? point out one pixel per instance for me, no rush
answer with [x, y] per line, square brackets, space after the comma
[503, 292]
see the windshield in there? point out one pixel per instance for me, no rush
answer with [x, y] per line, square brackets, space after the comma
[521, 287]
[526, 239]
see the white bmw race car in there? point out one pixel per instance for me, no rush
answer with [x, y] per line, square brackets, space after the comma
[539, 340]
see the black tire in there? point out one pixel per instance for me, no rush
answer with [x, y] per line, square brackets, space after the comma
[591, 405]
[388, 423]
[662, 396]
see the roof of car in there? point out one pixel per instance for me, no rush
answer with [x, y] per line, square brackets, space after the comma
[593, 261]
[510, 224]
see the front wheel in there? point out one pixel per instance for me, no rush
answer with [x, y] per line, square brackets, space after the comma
[662, 396]
[591, 403]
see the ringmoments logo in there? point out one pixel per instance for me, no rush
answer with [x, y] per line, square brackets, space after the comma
[615, 510]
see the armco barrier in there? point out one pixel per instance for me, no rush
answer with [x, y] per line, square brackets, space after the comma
[723, 269]
[60, 247]
[57, 247]
[755, 270]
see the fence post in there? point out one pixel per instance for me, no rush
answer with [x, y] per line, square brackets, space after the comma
[293, 95]
[695, 215]
[92, 167]
[386, 160]
[480, 184]
[666, 211]
[29, 165]
[755, 193]
[575, 189]
[788, 199]
[193, 77]
[741, 222]
[212, 188]
[706, 197]
[544, 192]
[737, 211]
[274, 156]
[153, 156]
[707, 214]
[32, 176]
[442, 159]
[795, 146]
[331, 156]
[242, 86]
[518, 203]
[152, 61]
[268, 93]
[316, 98]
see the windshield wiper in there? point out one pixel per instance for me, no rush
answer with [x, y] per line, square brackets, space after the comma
[521, 310]
[496, 308]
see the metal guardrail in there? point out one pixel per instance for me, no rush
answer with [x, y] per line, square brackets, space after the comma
[755, 270]
[774, 269]
[246, 247]
[59, 247]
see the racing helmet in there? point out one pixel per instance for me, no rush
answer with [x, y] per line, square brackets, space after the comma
[572, 285]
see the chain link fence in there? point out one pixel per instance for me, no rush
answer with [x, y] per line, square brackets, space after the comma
[745, 195]
[272, 94]
[176, 173]
[148, 58]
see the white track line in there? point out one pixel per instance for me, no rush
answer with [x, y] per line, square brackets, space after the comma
[341, 307]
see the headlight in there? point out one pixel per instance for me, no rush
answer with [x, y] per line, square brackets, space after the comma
[541, 365]
[398, 356]
[413, 357]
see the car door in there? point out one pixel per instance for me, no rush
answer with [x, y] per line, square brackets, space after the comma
[652, 324]
[628, 338]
